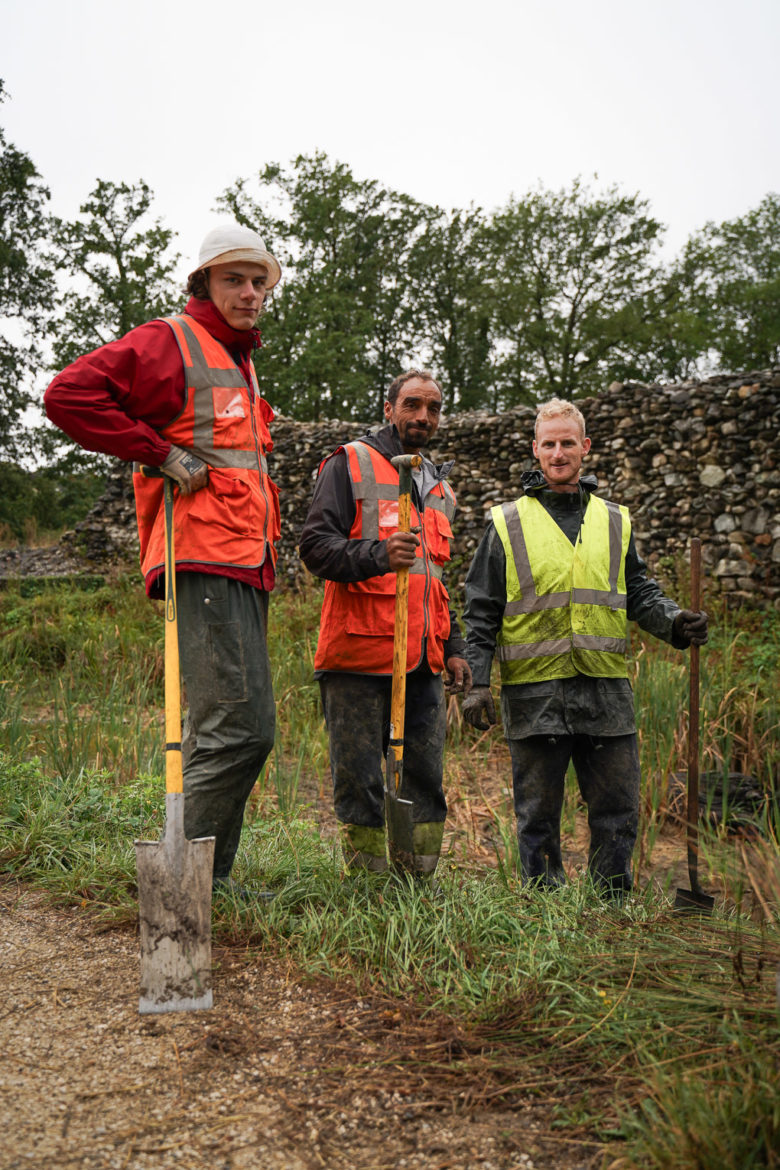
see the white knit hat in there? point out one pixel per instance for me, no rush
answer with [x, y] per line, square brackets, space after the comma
[231, 242]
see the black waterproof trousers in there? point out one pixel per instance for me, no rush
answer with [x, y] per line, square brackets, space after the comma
[230, 715]
[357, 714]
[607, 770]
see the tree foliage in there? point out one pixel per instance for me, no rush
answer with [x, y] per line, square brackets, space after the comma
[119, 269]
[575, 280]
[555, 292]
[25, 286]
[729, 275]
[451, 305]
[339, 328]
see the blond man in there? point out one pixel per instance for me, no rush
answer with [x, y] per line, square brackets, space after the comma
[549, 592]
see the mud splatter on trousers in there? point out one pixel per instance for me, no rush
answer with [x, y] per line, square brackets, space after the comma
[230, 719]
[608, 775]
[357, 714]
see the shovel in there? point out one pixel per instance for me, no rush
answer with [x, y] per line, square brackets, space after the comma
[694, 900]
[174, 874]
[398, 812]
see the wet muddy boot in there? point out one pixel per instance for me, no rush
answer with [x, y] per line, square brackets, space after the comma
[427, 838]
[364, 848]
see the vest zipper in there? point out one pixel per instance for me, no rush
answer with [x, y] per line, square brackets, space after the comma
[427, 589]
[252, 402]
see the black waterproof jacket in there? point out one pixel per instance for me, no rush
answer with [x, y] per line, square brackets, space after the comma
[569, 706]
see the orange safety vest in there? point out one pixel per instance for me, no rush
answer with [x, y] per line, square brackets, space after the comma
[234, 520]
[358, 617]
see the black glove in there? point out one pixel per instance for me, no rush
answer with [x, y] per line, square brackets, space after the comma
[189, 472]
[691, 627]
[479, 709]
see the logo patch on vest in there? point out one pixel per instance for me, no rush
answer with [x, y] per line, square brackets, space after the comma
[388, 513]
[228, 403]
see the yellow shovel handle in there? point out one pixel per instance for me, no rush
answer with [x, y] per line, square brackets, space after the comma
[401, 631]
[173, 769]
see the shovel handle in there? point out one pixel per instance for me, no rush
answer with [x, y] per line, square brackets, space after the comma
[404, 465]
[693, 726]
[173, 766]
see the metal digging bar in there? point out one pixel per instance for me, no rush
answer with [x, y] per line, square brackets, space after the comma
[694, 900]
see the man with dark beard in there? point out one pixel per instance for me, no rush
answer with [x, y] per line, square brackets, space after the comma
[351, 539]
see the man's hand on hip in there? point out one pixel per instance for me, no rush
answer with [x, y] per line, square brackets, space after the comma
[479, 709]
[458, 678]
[189, 472]
[691, 627]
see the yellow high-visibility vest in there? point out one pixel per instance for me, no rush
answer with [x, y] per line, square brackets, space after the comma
[566, 604]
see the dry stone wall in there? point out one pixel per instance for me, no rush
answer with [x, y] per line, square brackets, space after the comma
[697, 459]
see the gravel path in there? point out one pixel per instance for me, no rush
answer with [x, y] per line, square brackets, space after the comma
[278, 1076]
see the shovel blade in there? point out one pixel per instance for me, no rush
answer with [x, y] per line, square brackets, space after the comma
[174, 912]
[400, 831]
[693, 902]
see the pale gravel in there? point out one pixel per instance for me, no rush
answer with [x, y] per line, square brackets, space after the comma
[273, 1078]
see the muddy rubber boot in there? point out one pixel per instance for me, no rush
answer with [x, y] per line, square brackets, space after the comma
[427, 837]
[363, 848]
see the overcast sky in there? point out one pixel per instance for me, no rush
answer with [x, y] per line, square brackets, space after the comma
[453, 103]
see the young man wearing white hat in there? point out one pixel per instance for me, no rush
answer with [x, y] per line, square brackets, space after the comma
[181, 394]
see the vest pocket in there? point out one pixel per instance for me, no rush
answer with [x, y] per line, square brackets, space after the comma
[438, 531]
[371, 614]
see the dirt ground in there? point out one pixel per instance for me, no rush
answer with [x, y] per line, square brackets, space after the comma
[279, 1075]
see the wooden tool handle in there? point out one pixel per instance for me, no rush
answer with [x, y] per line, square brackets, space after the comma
[173, 767]
[693, 725]
[404, 465]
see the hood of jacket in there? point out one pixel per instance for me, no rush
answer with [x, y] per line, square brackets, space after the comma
[533, 482]
[238, 341]
[386, 440]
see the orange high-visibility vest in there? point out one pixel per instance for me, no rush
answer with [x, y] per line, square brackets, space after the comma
[234, 520]
[358, 617]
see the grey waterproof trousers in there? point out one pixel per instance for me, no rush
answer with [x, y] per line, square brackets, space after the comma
[608, 774]
[230, 712]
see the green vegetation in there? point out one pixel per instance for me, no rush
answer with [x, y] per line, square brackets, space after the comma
[35, 506]
[652, 1035]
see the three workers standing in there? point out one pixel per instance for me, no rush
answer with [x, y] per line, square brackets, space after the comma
[549, 591]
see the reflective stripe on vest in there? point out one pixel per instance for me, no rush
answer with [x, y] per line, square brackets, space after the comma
[566, 605]
[357, 625]
[217, 387]
[369, 490]
[233, 520]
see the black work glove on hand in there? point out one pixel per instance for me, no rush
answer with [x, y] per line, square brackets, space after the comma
[479, 709]
[691, 627]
